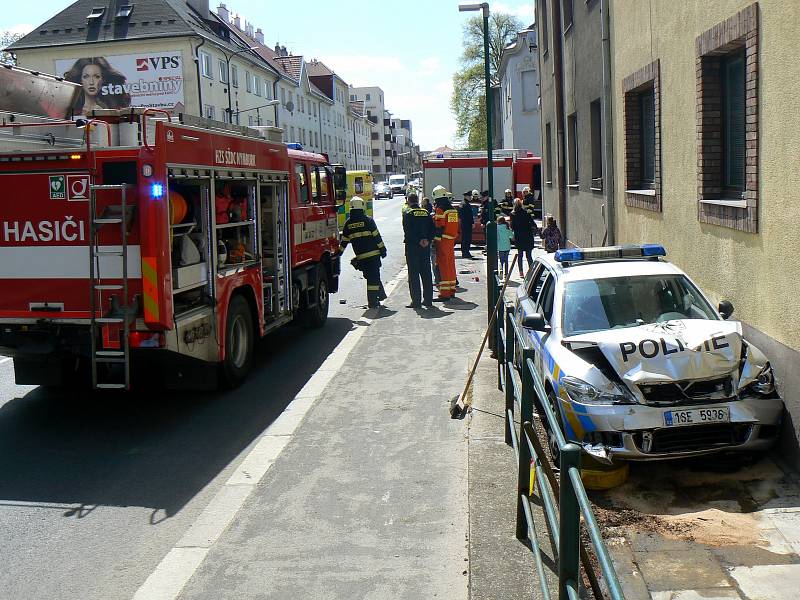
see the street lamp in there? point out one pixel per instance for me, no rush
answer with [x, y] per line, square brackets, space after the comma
[230, 83]
[491, 227]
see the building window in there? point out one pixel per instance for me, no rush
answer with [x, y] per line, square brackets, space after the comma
[234, 76]
[226, 116]
[642, 122]
[205, 65]
[727, 122]
[595, 110]
[647, 139]
[566, 14]
[250, 120]
[530, 91]
[267, 90]
[314, 105]
[302, 104]
[572, 148]
[257, 85]
[223, 71]
[733, 124]
[545, 38]
[208, 111]
[283, 96]
[248, 81]
[367, 97]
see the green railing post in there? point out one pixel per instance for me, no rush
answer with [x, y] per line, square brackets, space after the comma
[569, 522]
[523, 484]
[491, 271]
[508, 352]
[499, 324]
[528, 390]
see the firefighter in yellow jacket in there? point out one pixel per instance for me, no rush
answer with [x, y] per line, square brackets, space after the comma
[361, 231]
[446, 221]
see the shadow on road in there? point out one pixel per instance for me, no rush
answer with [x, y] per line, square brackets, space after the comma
[155, 449]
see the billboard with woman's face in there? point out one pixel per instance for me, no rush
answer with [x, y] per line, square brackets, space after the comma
[153, 80]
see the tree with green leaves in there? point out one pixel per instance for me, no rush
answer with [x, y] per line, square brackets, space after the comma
[6, 39]
[468, 101]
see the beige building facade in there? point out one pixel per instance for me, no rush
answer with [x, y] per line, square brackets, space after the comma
[715, 84]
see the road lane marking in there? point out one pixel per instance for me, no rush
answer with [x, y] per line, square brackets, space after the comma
[175, 570]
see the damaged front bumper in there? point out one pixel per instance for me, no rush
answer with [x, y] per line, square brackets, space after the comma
[638, 432]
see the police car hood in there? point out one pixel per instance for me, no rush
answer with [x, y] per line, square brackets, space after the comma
[676, 350]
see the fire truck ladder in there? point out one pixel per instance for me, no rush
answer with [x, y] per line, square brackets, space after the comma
[121, 312]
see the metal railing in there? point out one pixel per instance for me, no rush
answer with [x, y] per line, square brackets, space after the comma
[563, 502]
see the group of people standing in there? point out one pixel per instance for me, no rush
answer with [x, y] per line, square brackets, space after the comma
[435, 226]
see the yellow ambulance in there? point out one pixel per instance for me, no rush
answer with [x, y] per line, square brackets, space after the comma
[359, 183]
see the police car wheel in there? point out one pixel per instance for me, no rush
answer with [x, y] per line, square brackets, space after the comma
[239, 342]
[318, 314]
[552, 442]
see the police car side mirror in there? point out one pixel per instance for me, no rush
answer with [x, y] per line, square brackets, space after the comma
[536, 322]
[725, 309]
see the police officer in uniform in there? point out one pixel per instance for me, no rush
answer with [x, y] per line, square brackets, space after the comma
[361, 231]
[419, 233]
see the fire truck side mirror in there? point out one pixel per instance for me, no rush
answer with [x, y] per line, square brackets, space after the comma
[340, 183]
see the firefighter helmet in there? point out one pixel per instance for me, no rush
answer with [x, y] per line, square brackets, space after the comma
[507, 192]
[440, 192]
[475, 193]
[356, 203]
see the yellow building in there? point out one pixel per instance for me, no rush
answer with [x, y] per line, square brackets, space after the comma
[706, 146]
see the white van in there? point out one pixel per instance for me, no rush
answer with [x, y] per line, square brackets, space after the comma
[398, 184]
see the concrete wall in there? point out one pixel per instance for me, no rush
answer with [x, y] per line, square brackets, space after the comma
[758, 272]
[582, 84]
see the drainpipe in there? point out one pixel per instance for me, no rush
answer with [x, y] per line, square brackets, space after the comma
[199, 76]
[558, 83]
[608, 126]
[275, 96]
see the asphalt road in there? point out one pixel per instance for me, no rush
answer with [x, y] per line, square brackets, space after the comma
[96, 488]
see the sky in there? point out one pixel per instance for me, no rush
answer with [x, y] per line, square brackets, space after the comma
[410, 52]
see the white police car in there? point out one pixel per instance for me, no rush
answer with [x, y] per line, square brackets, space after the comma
[636, 361]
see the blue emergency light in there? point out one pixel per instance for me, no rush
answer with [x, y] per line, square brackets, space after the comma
[294, 146]
[157, 190]
[570, 255]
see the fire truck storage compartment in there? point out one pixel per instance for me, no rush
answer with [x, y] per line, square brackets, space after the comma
[274, 248]
[191, 242]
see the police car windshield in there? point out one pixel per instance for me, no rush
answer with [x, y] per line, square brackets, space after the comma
[598, 304]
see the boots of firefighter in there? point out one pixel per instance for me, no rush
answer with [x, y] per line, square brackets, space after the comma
[446, 259]
[372, 273]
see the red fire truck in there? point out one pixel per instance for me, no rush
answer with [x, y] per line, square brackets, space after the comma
[134, 240]
[462, 171]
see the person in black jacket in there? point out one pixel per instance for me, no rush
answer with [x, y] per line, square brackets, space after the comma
[525, 230]
[466, 219]
[368, 248]
[419, 232]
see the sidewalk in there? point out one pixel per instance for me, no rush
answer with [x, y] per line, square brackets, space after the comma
[369, 498]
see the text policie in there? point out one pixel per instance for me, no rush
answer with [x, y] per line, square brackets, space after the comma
[651, 348]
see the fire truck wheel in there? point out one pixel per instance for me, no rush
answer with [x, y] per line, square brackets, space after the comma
[239, 341]
[318, 314]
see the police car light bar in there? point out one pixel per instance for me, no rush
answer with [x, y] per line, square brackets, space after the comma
[570, 255]
[294, 146]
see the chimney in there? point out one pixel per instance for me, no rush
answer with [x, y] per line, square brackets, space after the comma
[278, 49]
[201, 7]
[248, 29]
[283, 51]
[224, 13]
[260, 36]
[237, 22]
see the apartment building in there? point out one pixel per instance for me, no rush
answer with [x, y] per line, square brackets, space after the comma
[155, 53]
[373, 100]
[517, 110]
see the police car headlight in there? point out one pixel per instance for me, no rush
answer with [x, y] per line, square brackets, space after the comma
[585, 393]
[765, 384]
